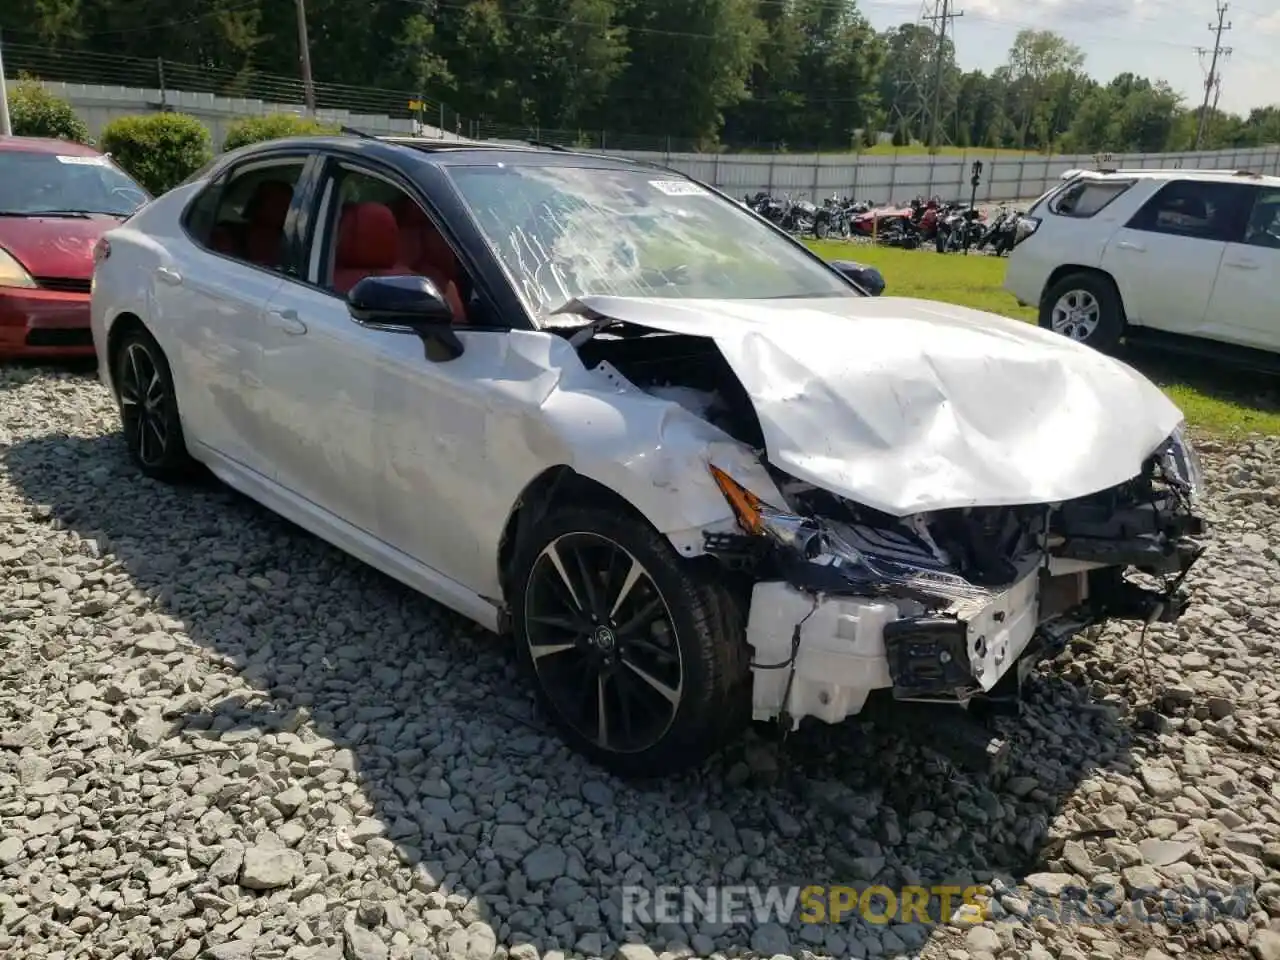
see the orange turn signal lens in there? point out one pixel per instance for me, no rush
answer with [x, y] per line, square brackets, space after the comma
[746, 505]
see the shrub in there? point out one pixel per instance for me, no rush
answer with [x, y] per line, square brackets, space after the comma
[159, 149]
[273, 126]
[35, 112]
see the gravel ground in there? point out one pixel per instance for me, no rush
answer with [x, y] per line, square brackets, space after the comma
[220, 737]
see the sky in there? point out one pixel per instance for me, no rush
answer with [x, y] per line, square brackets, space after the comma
[1152, 38]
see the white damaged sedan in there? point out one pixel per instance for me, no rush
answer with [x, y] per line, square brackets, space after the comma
[701, 476]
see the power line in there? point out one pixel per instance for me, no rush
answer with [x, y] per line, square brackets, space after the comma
[1213, 80]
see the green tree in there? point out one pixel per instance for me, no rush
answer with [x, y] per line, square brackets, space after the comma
[1039, 63]
[689, 63]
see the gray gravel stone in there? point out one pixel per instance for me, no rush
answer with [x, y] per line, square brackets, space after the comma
[220, 737]
[267, 868]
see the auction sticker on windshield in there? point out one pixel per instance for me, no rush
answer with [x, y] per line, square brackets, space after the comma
[678, 188]
[84, 161]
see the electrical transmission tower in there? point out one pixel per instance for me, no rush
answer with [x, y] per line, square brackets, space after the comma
[1213, 80]
[943, 15]
[911, 93]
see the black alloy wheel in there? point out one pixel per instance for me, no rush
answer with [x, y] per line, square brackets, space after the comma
[149, 408]
[640, 662]
[602, 642]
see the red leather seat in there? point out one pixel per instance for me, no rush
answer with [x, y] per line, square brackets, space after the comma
[368, 246]
[426, 252]
[222, 240]
[265, 213]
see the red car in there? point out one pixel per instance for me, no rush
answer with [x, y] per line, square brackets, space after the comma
[56, 200]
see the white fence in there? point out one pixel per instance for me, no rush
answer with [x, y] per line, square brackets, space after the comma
[880, 178]
[899, 178]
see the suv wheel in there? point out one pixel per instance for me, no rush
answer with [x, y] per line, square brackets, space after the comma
[1086, 308]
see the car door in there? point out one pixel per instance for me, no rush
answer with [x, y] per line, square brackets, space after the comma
[362, 424]
[211, 295]
[1165, 260]
[1245, 307]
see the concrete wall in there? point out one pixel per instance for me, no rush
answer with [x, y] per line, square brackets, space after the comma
[1005, 177]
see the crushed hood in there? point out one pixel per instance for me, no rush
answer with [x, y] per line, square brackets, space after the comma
[907, 406]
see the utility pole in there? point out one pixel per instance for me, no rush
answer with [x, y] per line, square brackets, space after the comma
[942, 17]
[304, 54]
[1213, 80]
[6, 127]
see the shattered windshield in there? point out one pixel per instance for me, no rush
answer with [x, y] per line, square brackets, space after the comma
[567, 232]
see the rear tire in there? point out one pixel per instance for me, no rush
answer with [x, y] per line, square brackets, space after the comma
[1085, 307]
[149, 408]
[639, 660]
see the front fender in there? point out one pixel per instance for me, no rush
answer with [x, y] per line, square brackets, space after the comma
[651, 452]
[660, 462]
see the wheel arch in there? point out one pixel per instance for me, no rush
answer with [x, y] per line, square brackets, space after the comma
[563, 484]
[1067, 269]
[121, 325]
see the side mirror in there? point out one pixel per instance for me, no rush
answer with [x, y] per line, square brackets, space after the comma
[408, 301]
[868, 278]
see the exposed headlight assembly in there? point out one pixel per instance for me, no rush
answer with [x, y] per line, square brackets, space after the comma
[1181, 464]
[828, 544]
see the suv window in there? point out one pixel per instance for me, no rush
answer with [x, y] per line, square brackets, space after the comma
[1263, 228]
[241, 214]
[1197, 209]
[1085, 198]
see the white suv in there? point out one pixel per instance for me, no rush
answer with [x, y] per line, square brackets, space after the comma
[1161, 255]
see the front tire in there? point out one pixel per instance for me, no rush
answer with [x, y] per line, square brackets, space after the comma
[149, 408]
[1085, 307]
[639, 660]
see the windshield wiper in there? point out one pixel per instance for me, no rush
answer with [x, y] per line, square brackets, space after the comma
[31, 214]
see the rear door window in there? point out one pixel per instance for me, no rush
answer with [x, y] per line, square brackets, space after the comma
[1086, 198]
[1201, 210]
[1263, 227]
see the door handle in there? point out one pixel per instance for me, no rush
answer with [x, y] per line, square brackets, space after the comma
[168, 275]
[287, 320]
[1242, 264]
[1130, 245]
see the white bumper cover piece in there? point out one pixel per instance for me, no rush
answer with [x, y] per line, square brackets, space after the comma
[840, 656]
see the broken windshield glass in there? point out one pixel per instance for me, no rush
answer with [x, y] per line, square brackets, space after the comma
[567, 232]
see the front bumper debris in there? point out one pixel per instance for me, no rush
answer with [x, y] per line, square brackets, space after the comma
[950, 609]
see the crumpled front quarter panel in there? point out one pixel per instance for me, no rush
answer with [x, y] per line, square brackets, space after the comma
[910, 405]
[550, 411]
